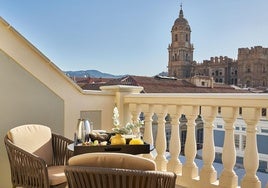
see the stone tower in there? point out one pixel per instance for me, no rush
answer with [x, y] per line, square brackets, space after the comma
[180, 50]
[253, 67]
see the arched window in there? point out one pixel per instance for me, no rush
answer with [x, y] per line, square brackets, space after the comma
[186, 57]
[248, 69]
[176, 37]
[187, 38]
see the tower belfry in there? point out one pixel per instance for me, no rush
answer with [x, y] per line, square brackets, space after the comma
[180, 50]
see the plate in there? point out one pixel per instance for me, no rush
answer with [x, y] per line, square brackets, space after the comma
[99, 131]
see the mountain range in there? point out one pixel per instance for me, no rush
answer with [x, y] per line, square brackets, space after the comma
[91, 73]
[98, 74]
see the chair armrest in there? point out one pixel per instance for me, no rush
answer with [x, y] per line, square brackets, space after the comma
[61, 154]
[93, 177]
[26, 167]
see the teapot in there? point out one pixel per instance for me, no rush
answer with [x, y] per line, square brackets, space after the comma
[82, 130]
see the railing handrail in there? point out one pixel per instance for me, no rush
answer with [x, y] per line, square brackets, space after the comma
[200, 99]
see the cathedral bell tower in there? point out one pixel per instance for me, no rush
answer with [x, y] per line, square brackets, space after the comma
[180, 50]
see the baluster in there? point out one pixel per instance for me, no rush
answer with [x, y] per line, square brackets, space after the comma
[136, 117]
[251, 158]
[208, 173]
[189, 169]
[161, 145]
[174, 164]
[228, 177]
[148, 133]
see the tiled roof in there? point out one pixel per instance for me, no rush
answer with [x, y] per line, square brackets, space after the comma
[164, 85]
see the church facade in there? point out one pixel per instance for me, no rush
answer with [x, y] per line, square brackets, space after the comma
[249, 70]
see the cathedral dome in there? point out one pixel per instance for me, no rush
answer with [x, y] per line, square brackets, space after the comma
[181, 22]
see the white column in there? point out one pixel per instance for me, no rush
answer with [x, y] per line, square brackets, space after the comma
[208, 173]
[189, 169]
[148, 133]
[251, 158]
[228, 177]
[161, 145]
[174, 164]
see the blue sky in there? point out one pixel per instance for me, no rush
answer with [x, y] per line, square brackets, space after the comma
[132, 36]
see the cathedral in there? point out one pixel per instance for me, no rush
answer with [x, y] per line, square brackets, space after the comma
[249, 70]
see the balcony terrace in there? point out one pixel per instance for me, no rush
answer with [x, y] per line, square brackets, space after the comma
[205, 105]
[34, 90]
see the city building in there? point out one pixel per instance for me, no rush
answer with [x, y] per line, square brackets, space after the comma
[180, 57]
[248, 71]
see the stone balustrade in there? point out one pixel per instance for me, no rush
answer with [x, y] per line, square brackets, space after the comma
[208, 106]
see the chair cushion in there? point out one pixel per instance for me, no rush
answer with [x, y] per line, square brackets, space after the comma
[113, 160]
[36, 139]
[56, 175]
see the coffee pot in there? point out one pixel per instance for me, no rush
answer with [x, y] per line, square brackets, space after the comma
[82, 131]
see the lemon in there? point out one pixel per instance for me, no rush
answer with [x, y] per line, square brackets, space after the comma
[136, 141]
[118, 139]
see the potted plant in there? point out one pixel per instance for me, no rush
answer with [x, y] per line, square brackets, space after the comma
[129, 131]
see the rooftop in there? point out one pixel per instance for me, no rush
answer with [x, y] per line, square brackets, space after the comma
[160, 84]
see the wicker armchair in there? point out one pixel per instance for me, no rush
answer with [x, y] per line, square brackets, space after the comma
[37, 157]
[97, 177]
[114, 170]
